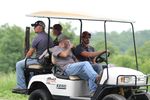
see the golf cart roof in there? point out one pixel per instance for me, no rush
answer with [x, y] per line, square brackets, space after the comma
[73, 16]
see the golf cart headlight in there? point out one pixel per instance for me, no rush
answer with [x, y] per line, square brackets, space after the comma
[125, 80]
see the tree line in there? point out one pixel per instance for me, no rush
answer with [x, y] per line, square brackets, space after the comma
[119, 44]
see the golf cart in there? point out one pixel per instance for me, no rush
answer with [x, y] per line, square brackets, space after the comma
[115, 84]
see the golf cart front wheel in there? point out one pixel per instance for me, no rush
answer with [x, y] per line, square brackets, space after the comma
[144, 96]
[40, 94]
[114, 97]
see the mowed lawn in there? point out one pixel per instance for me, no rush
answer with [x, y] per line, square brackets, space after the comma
[7, 82]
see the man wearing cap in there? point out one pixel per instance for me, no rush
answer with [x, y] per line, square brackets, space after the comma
[65, 59]
[39, 45]
[57, 31]
[85, 52]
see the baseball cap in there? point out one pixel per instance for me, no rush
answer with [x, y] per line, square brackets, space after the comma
[62, 37]
[57, 27]
[41, 23]
[86, 33]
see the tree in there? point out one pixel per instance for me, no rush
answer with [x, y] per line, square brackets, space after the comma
[144, 56]
[11, 44]
[124, 60]
[145, 50]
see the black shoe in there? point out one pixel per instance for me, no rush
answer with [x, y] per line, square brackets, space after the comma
[18, 90]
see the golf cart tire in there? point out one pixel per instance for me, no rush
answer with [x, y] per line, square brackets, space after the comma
[40, 94]
[114, 97]
[145, 96]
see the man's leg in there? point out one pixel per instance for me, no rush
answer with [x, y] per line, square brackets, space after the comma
[20, 74]
[98, 68]
[20, 65]
[85, 71]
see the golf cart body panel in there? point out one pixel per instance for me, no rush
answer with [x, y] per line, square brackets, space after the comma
[62, 87]
[118, 74]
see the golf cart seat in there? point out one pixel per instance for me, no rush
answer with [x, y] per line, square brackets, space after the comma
[59, 73]
[44, 67]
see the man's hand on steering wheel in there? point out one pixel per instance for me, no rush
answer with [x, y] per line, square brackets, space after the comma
[102, 57]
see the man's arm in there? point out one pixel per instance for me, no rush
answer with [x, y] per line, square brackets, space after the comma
[30, 52]
[91, 54]
[65, 53]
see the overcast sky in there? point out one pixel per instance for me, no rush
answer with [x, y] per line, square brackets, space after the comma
[15, 11]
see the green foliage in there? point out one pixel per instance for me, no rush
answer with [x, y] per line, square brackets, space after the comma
[11, 44]
[145, 66]
[144, 57]
[124, 60]
[145, 50]
[142, 37]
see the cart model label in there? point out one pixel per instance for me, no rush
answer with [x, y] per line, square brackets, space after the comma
[61, 86]
[51, 81]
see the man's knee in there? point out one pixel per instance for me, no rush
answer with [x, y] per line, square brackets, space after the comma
[86, 62]
[97, 65]
[20, 64]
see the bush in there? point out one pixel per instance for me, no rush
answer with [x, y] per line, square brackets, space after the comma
[124, 60]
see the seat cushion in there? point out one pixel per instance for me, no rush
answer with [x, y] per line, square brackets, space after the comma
[36, 66]
[74, 78]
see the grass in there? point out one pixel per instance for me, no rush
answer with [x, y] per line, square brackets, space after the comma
[7, 82]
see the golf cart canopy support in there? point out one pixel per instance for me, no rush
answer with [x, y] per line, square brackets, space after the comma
[80, 17]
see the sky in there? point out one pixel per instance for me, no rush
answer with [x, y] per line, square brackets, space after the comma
[15, 11]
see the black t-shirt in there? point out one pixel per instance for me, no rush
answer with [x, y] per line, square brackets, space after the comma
[79, 49]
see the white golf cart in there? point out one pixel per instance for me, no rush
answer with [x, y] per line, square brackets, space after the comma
[117, 83]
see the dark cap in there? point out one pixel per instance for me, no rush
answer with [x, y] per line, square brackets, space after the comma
[62, 37]
[57, 27]
[41, 23]
[86, 33]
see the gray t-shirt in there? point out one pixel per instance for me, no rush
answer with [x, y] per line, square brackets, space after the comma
[40, 43]
[61, 61]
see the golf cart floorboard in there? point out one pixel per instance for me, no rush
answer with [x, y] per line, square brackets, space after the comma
[80, 98]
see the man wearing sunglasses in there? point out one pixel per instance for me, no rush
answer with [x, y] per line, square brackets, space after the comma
[39, 45]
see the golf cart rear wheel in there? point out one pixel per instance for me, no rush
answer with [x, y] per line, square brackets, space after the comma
[40, 94]
[114, 97]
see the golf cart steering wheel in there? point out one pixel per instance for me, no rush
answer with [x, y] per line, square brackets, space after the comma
[102, 57]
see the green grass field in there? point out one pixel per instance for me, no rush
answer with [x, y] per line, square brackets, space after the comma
[7, 82]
